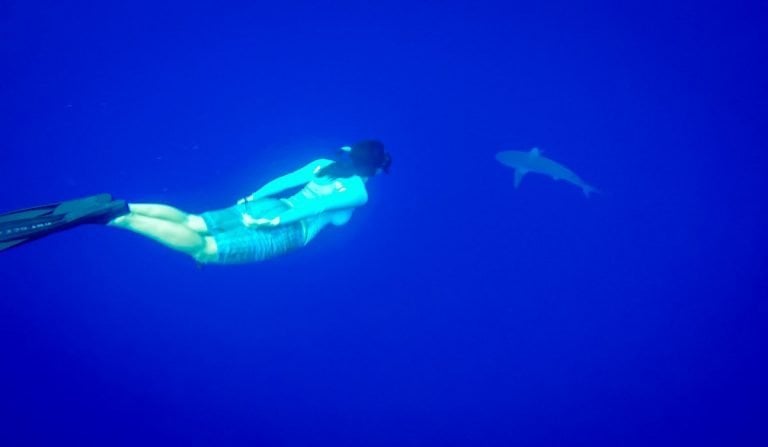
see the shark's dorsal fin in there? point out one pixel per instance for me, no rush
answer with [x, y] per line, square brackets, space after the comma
[535, 152]
[519, 173]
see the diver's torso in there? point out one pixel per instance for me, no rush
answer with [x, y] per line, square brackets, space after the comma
[320, 194]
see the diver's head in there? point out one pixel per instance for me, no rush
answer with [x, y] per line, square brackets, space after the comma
[368, 157]
[365, 159]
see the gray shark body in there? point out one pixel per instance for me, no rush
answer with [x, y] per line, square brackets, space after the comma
[533, 161]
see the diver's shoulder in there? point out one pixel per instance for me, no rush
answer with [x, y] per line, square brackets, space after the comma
[356, 184]
[355, 180]
[316, 165]
[321, 162]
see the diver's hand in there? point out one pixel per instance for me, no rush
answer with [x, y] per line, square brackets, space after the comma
[250, 222]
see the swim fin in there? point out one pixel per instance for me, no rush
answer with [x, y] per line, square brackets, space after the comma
[18, 227]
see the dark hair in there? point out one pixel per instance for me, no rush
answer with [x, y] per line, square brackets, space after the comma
[363, 159]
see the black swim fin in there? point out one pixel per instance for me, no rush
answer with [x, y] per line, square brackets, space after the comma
[18, 227]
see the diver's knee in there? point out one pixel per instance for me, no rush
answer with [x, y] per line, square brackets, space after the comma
[196, 223]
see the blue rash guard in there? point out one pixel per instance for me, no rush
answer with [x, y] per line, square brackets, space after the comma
[329, 200]
[300, 217]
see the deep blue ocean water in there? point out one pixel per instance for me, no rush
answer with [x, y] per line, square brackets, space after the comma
[453, 309]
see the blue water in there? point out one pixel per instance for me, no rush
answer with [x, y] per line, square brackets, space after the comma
[452, 310]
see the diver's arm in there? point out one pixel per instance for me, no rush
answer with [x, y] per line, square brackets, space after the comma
[344, 197]
[292, 180]
[340, 200]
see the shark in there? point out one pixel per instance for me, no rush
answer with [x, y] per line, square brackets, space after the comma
[532, 161]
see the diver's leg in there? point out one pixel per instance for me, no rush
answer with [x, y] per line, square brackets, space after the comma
[175, 235]
[169, 213]
[159, 211]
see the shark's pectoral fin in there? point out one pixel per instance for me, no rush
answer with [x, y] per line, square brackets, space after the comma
[519, 173]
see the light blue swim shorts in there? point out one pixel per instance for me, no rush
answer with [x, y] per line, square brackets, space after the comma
[238, 244]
